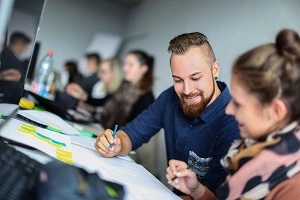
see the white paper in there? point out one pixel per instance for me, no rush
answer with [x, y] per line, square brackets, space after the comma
[48, 118]
[137, 181]
[11, 131]
[7, 109]
[89, 143]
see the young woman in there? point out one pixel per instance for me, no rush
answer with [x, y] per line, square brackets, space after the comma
[110, 77]
[135, 93]
[265, 164]
[72, 72]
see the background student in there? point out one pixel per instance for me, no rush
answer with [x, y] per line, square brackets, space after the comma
[93, 61]
[265, 164]
[13, 68]
[10, 75]
[110, 77]
[192, 113]
[135, 93]
[71, 72]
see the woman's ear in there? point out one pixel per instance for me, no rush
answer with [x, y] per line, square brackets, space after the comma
[279, 110]
[144, 69]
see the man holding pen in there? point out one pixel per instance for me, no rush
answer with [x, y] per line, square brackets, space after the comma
[192, 114]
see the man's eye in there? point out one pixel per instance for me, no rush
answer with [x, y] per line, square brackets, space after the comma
[195, 79]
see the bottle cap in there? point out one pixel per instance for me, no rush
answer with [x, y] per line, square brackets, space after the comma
[50, 53]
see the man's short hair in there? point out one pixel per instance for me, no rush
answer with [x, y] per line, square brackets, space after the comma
[19, 36]
[94, 56]
[181, 44]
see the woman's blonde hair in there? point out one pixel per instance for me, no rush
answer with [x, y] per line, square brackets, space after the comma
[115, 66]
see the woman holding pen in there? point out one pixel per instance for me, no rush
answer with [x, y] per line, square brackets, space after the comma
[265, 163]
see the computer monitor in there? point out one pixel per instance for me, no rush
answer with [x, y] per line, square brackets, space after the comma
[19, 25]
[16, 16]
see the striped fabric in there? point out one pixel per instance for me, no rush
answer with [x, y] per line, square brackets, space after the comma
[256, 167]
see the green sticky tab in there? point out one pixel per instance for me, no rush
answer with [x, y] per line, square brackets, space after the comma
[53, 128]
[39, 108]
[1, 116]
[86, 133]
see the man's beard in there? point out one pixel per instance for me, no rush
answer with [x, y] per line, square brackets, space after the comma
[194, 110]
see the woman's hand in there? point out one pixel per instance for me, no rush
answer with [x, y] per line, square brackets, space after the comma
[77, 92]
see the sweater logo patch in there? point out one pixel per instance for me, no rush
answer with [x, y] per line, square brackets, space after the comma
[198, 165]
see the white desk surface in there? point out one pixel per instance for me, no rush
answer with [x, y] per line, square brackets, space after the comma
[137, 181]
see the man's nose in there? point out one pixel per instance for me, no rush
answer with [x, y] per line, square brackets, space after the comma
[187, 88]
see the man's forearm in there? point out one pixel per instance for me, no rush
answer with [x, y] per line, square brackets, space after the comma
[126, 145]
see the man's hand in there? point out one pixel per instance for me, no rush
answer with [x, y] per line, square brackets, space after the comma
[186, 180]
[77, 92]
[10, 75]
[103, 142]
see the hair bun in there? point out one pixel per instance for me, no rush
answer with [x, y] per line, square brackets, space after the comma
[288, 43]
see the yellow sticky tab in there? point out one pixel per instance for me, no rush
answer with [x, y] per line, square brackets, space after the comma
[63, 152]
[28, 126]
[54, 144]
[26, 131]
[65, 159]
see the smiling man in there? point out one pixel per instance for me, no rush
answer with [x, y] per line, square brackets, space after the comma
[192, 114]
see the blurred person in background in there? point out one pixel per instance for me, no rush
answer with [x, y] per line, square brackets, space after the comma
[13, 68]
[135, 93]
[93, 61]
[110, 77]
[70, 73]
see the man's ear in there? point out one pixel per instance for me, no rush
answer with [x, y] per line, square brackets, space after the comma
[279, 110]
[216, 69]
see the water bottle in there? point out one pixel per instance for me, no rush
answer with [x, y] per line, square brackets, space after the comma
[40, 81]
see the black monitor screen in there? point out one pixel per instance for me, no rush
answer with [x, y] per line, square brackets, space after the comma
[17, 47]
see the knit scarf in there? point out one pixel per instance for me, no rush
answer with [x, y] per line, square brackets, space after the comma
[256, 167]
[117, 109]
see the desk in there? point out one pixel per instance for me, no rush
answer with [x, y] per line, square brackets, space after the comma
[137, 181]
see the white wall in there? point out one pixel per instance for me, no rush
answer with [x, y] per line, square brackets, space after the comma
[231, 26]
[68, 26]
